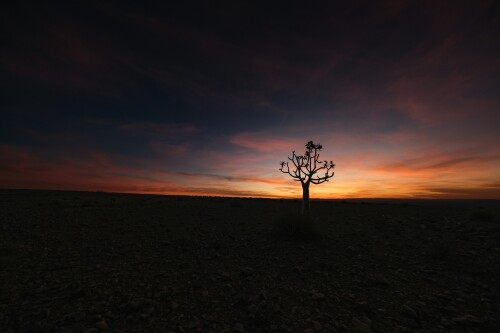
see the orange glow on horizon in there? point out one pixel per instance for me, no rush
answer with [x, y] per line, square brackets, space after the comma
[438, 177]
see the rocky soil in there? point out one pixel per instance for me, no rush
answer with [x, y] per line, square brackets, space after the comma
[92, 262]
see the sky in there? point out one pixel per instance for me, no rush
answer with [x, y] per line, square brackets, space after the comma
[197, 98]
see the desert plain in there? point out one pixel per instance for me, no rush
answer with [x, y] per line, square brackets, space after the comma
[101, 262]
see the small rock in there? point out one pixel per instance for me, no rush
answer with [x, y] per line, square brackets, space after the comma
[360, 327]
[467, 319]
[284, 328]
[380, 280]
[102, 325]
[195, 323]
[68, 329]
[247, 271]
[238, 327]
[77, 316]
[134, 306]
[445, 322]
[96, 317]
[316, 295]
[468, 280]
[149, 310]
[409, 312]
[40, 312]
[362, 307]
[317, 325]
[252, 308]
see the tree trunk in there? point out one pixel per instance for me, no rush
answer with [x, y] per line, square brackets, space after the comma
[305, 199]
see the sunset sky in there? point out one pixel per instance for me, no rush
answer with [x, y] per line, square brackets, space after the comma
[207, 100]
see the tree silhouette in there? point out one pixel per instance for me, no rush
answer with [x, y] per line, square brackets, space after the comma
[307, 168]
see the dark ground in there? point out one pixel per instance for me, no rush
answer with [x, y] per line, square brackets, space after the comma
[89, 262]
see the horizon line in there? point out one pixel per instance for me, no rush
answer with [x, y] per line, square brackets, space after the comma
[248, 196]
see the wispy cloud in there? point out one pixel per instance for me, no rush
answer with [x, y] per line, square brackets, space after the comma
[436, 163]
[233, 178]
[159, 131]
[263, 142]
[482, 190]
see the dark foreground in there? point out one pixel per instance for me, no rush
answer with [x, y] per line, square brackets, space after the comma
[90, 262]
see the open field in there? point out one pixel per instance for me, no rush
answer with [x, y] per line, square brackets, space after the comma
[90, 262]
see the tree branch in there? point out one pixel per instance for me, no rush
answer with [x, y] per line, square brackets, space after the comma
[308, 165]
[288, 170]
[327, 175]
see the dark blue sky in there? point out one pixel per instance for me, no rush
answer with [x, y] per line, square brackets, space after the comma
[204, 99]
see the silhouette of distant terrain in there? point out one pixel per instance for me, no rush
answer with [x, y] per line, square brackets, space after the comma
[89, 262]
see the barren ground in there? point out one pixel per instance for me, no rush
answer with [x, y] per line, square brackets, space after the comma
[90, 262]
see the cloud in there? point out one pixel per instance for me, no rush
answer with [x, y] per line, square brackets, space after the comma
[263, 142]
[159, 131]
[169, 150]
[97, 171]
[443, 162]
[232, 178]
[483, 190]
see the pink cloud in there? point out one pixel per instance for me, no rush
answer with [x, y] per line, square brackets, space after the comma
[95, 170]
[263, 142]
[431, 175]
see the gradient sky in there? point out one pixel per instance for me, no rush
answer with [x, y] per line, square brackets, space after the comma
[207, 100]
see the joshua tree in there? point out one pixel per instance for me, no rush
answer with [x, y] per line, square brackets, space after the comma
[307, 169]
